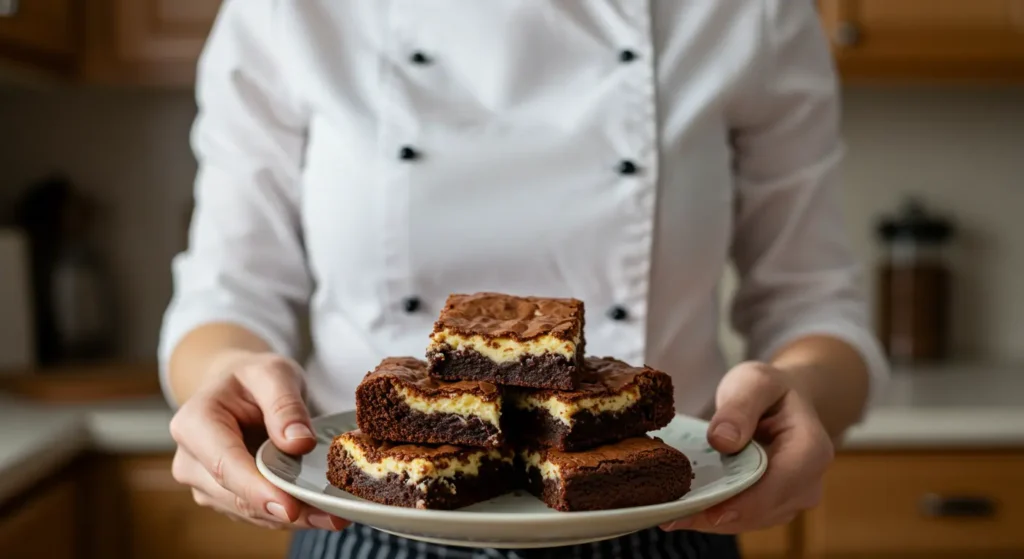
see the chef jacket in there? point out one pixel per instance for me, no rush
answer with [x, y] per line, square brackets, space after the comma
[364, 159]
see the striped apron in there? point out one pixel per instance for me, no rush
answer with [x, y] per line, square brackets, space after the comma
[363, 542]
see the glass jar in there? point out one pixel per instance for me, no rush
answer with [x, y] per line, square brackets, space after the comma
[913, 289]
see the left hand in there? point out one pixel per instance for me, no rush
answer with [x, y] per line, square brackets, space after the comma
[755, 400]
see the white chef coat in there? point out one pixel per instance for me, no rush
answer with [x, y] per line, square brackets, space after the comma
[369, 157]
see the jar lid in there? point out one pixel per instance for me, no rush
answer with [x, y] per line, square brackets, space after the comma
[913, 222]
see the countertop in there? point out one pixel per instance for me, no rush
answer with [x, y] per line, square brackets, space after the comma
[948, 407]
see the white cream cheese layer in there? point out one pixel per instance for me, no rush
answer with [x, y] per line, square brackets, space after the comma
[547, 469]
[504, 350]
[420, 469]
[466, 405]
[565, 411]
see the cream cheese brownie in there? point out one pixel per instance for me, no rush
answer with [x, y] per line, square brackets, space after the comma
[425, 477]
[614, 401]
[630, 473]
[509, 340]
[399, 402]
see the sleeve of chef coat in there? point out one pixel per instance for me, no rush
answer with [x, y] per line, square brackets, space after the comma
[797, 273]
[245, 263]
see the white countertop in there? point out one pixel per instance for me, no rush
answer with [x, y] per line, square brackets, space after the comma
[955, 406]
[36, 440]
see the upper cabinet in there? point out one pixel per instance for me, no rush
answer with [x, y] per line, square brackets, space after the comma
[146, 42]
[157, 42]
[927, 40]
[39, 35]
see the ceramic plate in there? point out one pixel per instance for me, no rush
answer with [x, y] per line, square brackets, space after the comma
[514, 520]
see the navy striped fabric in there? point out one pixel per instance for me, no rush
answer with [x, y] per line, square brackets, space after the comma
[363, 542]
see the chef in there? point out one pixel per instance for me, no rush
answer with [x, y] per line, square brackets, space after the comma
[362, 160]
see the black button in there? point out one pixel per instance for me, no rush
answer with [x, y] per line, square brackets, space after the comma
[408, 154]
[419, 58]
[627, 167]
[617, 313]
[627, 56]
[411, 304]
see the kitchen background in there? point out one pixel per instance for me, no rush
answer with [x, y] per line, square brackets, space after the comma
[933, 108]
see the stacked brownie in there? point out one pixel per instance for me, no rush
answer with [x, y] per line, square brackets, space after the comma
[506, 399]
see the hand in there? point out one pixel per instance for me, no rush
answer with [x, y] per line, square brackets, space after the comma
[260, 390]
[754, 400]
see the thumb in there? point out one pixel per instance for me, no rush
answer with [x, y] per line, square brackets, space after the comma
[276, 387]
[744, 395]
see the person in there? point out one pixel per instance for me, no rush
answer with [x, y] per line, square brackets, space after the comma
[359, 161]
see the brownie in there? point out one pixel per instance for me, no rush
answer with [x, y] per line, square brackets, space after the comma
[399, 402]
[630, 473]
[614, 401]
[440, 477]
[508, 340]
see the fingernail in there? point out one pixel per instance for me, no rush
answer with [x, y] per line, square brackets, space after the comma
[297, 431]
[321, 521]
[727, 517]
[680, 524]
[727, 432]
[278, 511]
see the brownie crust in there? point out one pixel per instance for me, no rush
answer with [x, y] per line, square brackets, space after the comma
[497, 315]
[493, 478]
[602, 377]
[535, 371]
[383, 413]
[633, 473]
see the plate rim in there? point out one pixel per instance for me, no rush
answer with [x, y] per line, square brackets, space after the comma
[486, 517]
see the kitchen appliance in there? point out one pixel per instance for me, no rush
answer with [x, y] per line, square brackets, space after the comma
[914, 285]
[17, 330]
[73, 298]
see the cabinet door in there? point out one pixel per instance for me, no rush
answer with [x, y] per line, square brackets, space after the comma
[773, 543]
[148, 42]
[927, 39]
[166, 524]
[158, 31]
[38, 32]
[902, 505]
[45, 526]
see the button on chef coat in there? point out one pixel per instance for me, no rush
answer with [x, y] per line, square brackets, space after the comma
[727, 113]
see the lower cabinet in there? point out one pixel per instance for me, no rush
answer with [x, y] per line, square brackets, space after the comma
[911, 505]
[876, 505]
[44, 524]
[145, 514]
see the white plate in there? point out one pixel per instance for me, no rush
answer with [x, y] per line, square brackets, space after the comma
[515, 520]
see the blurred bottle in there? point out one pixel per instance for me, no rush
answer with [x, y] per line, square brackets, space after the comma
[914, 285]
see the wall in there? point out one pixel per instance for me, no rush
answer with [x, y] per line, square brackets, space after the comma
[963, 150]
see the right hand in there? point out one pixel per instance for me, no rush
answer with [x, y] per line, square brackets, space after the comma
[257, 391]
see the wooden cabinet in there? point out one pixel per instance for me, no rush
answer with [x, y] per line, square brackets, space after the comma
[915, 40]
[164, 521]
[903, 505]
[38, 34]
[45, 524]
[147, 42]
[773, 543]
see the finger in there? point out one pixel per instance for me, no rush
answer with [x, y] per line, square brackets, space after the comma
[791, 483]
[744, 395]
[212, 436]
[277, 389]
[206, 492]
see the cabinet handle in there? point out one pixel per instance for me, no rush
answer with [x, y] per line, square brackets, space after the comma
[937, 506]
[847, 34]
[8, 8]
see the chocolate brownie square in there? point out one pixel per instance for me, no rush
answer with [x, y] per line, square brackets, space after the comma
[509, 340]
[399, 402]
[614, 401]
[633, 472]
[425, 477]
